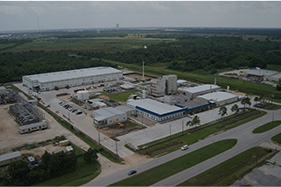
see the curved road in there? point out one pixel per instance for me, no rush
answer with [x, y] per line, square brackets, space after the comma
[243, 133]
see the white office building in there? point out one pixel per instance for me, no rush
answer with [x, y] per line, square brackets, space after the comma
[71, 78]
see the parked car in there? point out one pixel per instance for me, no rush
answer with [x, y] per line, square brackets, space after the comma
[185, 147]
[132, 172]
[78, 112]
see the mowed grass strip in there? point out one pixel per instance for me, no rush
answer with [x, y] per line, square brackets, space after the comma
[172, 167]
[277, 138]
[200, 134]
[228, 172]
[266, 127]
[83, 174]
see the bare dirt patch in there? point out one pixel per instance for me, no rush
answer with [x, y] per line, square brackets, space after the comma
[10, 138]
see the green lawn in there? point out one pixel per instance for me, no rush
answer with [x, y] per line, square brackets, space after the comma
[277, 138]
[194, 137]
[269, 106]
[83, 174]
[120, 97]
[266, 127]
[93, 43]
[172, 167]
[226, 173]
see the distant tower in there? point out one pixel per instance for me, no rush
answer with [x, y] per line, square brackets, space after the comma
[143, 70]
[117, 26]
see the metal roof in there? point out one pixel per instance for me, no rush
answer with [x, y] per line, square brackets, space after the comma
[276, 75]
[124, 108]
[104, 113]
[32, 125]
[10, 156]
[200, 88]
[154, 106]
[261, 72]
[72, 74]
[218, 96]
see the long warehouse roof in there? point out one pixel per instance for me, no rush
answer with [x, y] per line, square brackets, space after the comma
[200, 88]
[72, 74]
[154, 106]
[105, 113]
[9, 156]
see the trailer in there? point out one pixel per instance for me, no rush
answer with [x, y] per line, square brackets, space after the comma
[33, 127]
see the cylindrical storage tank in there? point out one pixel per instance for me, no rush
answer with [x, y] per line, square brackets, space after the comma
[83, 95]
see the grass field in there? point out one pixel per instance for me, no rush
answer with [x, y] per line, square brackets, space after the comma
[120, 96]
[269, 106]
[226, 173]
[172, 167]
[194, 137]
[277, 138]
[99, 43]
[83, 174]
[266, 127]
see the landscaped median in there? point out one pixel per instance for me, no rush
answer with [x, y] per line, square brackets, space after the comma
[277, 138]
[226, 173]
[172, 143]
[172, 167]
[266, 127]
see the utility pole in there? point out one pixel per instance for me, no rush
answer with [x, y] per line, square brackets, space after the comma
[99, 139]
[170, 131]
[116, 148]
[182, 127]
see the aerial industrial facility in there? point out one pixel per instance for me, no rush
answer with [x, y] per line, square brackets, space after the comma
[62, 79]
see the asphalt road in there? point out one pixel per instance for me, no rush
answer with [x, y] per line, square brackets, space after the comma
[243, 133]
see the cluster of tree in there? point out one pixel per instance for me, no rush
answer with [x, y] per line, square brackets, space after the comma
[53, 165]
[189, 53]
[14, 65]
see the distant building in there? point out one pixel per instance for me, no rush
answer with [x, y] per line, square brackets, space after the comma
[156, 110]
[195, 91]
[10, 157]
[261, 74]
[71, 78]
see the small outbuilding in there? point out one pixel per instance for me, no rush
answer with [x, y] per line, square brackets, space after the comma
[108, 116]
[10, 157]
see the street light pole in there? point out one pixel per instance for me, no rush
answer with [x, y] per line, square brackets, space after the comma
[116, 148]
[99, 139]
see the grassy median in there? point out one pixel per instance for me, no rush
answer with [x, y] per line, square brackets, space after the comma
[172, 167]
[172, 143]
[266, 127]
[226, 173]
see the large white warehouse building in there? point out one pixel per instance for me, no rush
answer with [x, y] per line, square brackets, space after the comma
[156, 110]
[219, 98]
[62, 79]
[193, 92]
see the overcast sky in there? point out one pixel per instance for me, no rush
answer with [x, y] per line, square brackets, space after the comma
[104, 14]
